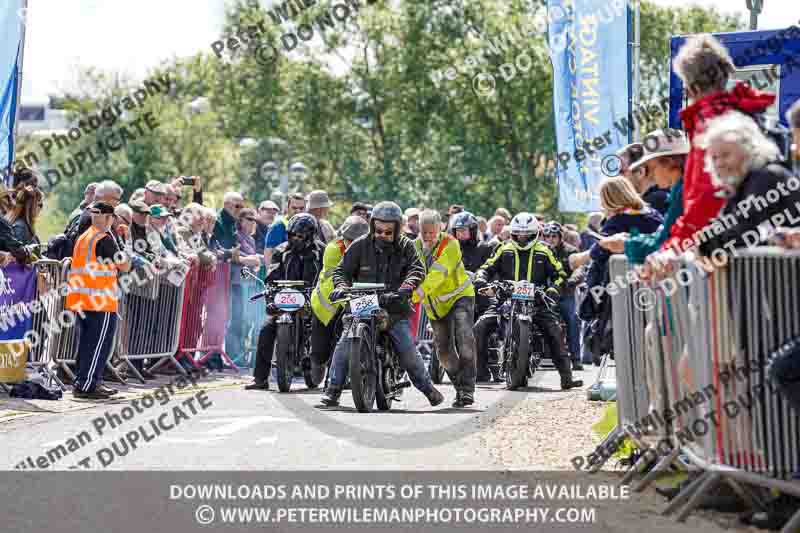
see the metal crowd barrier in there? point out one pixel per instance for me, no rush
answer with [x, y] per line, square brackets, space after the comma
[424, 336]
[206, 306]
[254, 314]
[151, 312]
[696, 346]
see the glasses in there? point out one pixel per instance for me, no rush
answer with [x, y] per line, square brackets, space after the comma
[238, 206]
[249, 219]
[387, 233]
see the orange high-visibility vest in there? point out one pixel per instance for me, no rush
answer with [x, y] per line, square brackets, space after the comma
[92, 285]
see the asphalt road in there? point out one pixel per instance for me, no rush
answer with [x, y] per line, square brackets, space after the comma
[228, 428]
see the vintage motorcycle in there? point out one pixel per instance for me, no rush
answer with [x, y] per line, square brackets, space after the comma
[290, 301]
[376, 376]
[518, 342]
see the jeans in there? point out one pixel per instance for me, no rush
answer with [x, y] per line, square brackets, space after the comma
[455, 343]
[567, 308]
[410, 359]
[784, 371]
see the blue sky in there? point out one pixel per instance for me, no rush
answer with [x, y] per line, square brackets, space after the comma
[131, 36]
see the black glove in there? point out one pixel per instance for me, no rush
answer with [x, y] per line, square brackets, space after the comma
[405, 291]
[337, 294]
[389, 298]
[479, 283]
[553, 293]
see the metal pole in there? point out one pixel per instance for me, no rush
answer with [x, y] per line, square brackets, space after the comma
[20, 61]
[636, 69]
[755, 7]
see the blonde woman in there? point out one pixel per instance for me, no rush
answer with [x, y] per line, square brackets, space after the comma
[625, 211]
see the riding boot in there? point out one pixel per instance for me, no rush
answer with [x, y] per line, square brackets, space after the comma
[331, 396]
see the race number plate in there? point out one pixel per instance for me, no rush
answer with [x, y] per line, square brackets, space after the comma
[524, 291]
[289, 300]
[365, 305]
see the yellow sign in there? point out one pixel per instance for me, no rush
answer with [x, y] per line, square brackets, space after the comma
[13, 356]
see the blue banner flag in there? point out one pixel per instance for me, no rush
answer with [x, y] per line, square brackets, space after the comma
[12, 21]
[591, 92]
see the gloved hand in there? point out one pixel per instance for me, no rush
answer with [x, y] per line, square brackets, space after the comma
[337, 294]
[479, 283]
[405, 291]
[553, 293]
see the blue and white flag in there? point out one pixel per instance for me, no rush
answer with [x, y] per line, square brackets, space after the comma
[591, 86]
[12, 20]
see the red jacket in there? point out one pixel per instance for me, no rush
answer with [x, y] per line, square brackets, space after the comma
[699, 203]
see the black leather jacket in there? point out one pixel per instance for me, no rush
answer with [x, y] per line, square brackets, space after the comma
[288, 265]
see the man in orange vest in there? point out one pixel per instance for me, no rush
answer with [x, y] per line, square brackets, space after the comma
[94, 296]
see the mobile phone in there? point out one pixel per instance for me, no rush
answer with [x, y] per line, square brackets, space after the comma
[187, 181]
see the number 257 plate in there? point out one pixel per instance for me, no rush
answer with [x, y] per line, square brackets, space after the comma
[524, 291]
[364, 305]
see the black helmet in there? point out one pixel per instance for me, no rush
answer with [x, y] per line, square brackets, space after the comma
[553, 228]
[462, 220]
[303, 224]
[387, 212]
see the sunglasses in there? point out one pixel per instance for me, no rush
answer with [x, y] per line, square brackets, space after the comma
[388, 232]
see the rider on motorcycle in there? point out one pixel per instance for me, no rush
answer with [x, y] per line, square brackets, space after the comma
[464, 227]
[554, 235]
[523, 257]
[449, 299]
[300, 258]
[323, 335]
[385, 256]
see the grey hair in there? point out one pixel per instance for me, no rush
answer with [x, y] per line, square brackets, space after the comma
[703, 64]
[738, 128]
[107, 188]
[231, 196]
[124, 210]
[793, 115]
[430, 217]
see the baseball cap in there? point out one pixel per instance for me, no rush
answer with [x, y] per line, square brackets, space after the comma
[158, 211]
[101, 208]
[412, 212]
[138, 206]
[269, 204]
[155, 187]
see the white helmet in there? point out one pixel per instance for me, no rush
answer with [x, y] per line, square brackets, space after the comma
[524, 229]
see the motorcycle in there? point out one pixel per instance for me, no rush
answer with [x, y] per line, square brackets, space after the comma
[291, 301]
[518, 342]
[376, 376]
[427, 347]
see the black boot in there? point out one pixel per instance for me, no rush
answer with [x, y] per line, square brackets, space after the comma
[331, 396]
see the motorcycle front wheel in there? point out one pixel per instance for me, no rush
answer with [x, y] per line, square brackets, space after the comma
[283, 357]
[363, 370]
[517, 361]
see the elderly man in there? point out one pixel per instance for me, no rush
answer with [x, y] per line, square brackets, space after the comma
[267, 212]
[93, 294]
[154, 193]
[449, 299]
[88, 198]
[320, 205]
[277, 234]
[362, 210]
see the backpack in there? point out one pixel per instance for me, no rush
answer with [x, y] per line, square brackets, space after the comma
[777, 133]
[61, 246]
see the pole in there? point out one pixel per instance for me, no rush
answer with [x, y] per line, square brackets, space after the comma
[755, 7]
[636, 69]
[20, 61]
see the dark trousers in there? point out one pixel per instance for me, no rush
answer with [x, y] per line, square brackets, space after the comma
[483, 329]
[784, 371]
[266, 346]
[455, 344]
[323, 339]
[567, 308]
[94, 348]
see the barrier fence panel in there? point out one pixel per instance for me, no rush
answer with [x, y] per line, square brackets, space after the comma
[254, 314]
[205, 316]
[151, 314]
[50, 277]
[709, 336]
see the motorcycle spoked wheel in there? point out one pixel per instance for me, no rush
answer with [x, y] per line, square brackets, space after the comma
[283, 357]
[363, 371]
[436, 368]
[517, 360]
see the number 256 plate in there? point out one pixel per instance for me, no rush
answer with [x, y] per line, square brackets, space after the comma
[524, 291]
[364, 305]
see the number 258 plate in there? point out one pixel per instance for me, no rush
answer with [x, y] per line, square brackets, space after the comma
[364, 305]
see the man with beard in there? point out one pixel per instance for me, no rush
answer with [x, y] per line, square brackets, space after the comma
[474, 253]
